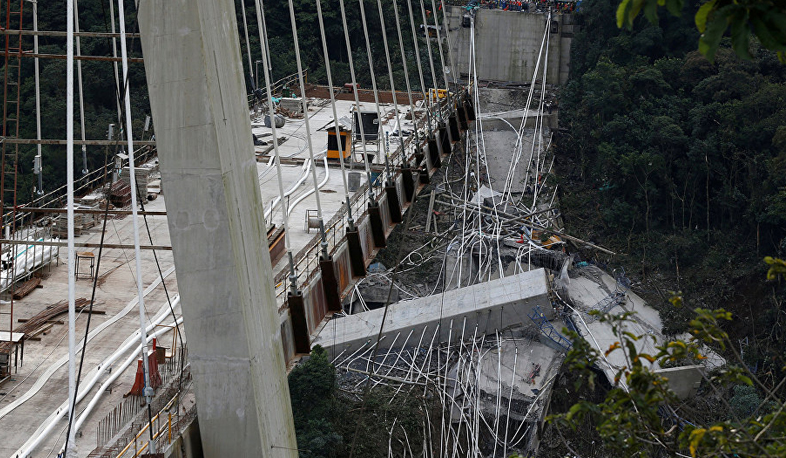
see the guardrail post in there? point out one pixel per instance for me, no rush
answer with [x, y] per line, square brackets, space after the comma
[356, 261]
[330, 284]
[375, 220]
[299, 324]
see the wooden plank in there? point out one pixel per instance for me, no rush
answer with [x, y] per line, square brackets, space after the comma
[42, 330]
[26, 288]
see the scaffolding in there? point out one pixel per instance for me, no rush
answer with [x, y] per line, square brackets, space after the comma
[547, 329]
[12, 74]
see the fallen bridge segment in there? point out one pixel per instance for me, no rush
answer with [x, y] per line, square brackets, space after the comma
[493, 305]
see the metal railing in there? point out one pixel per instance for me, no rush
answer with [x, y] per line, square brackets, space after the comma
[307, 259]
[258, 102]
[119, 418]
[88, 182]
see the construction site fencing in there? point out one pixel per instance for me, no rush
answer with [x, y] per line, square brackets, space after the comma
[57, 197]
[257, 99]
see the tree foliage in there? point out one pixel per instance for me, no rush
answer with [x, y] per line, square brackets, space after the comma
[683, 159]
[100, 96]
[764, 19]
[641, 415]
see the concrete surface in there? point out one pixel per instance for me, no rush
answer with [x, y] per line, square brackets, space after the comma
[17, 424]
[684, 381]
[497, 304]
[507, 44]
[208, 169]
[584, 293]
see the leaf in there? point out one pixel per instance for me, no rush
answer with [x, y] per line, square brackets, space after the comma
[778, 267]
[708, 43]
[701, 15]
[674, 7]
[621, 12]
[651, 12]
[612, 347]
[695, 438]
[740, 34]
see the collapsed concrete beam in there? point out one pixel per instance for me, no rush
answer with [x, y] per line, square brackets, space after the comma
[493, 305]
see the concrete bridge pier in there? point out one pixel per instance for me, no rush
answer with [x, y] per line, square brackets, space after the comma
[216, 223]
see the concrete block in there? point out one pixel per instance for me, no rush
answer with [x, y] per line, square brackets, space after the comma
[493, 305]
[684, 381]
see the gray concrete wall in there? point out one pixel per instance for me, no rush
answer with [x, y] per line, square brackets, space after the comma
[493, 305]
[507, 45]
[188, 444]
[216, 223]
[684, 381]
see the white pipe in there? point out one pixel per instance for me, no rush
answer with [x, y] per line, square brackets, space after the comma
[59, 363]
[116, 373]
[134, 214]
[51, 422]
[81, 91]
[311, 191]
[306, 169]
[40, 189]
[71, 451]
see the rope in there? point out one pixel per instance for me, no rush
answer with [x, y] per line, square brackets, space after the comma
[308, 131]
[406, 76]
[430, 57]
[373, 82]
[271, 113]
[81, 90]
[350, 220]
[137, 252]
[71, 251]
[248, 43]
[40, 189]
[397, 125]
[357, 100]
[420, 67]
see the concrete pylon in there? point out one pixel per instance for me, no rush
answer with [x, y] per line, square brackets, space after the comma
[215, 217]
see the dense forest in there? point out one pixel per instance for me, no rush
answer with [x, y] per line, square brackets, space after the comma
[684, 163]
[100, 95]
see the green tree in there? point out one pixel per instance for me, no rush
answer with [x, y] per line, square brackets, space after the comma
[765, 19]
[638, 414]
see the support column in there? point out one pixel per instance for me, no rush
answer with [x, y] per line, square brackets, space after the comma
[216, 223]
[444, 140]
[393, 203]
[375, 223]
[454, 128]
[408, 183]
[433, 153]
[470, 109]
[330, 284]
[356, 261]
[462, 117]
[297, 313]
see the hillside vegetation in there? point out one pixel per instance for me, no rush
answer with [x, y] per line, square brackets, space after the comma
[684, 162]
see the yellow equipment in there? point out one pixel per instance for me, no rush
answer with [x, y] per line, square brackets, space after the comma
[346, 143]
